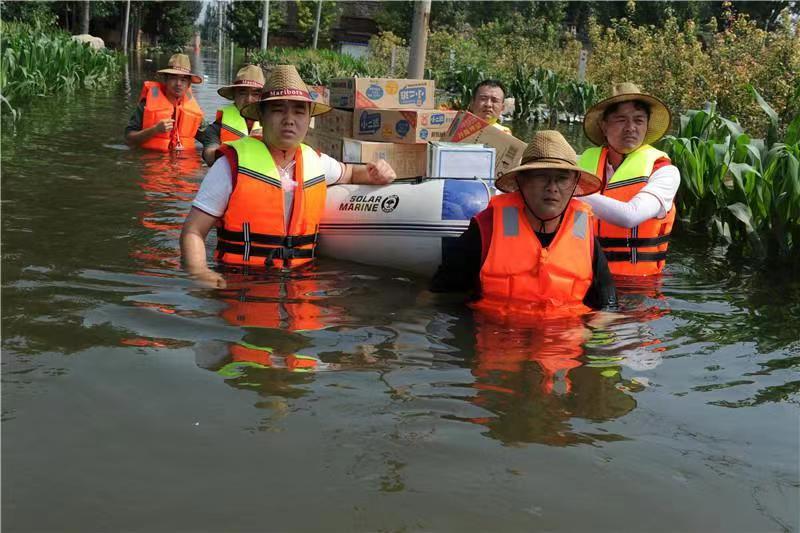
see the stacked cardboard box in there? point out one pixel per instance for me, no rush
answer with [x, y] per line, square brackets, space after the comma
[394, 119]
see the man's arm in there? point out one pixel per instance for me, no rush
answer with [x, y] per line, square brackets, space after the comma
[193, 247]
[602, 293]
[461, 263]
[135, 135]
[378, 173]
[211, 141]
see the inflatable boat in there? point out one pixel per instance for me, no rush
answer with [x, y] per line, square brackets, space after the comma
[402, 225]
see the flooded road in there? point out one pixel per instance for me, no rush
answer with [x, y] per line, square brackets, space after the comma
[134, 400]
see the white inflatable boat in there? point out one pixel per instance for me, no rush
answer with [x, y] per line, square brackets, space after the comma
[403, 225]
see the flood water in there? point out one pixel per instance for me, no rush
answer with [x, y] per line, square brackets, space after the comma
[134, 400]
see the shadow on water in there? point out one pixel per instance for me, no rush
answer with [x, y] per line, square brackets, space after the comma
[355, 379]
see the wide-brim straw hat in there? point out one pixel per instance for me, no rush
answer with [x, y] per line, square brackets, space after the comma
[179, 64]
[550, 150]
[248, 76]
[657, 126]
[284, 83]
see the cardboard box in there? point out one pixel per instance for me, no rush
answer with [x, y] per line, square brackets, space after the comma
[406, 126]
[320, 93]
[325, 143]
[468, 128]
[335, 122]
[407, 160]
[382, 93]
[460, 160]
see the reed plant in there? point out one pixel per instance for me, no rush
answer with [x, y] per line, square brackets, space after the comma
[316, 67]
[36, 62]
[744, 190]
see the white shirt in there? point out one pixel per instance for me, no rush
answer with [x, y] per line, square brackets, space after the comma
[217, 186]
[654, 200]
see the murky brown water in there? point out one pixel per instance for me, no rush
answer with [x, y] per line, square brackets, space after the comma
[130, 402]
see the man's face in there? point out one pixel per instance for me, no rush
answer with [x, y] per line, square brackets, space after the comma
[487, 103]
[285, 123]
[625, 128]
[243, 96]
[547, 191]
[176, 85]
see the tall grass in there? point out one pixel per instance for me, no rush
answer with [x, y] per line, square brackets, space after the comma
[744, 190]
[35, 62]
[316, 67]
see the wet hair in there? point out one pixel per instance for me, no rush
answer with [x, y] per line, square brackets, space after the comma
[489, 83]
[641, 105]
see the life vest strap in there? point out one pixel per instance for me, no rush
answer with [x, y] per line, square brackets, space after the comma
[640, 256]
[632, 242]
[278, 252]
[288, 241]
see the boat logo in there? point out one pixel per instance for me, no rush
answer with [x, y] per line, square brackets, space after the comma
[390, 203]
[402, 127]
[374, 92]
[369, 122]
[413, 95]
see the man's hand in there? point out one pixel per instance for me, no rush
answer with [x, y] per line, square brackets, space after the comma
[165, 125]
[209, 279]
[380, 172]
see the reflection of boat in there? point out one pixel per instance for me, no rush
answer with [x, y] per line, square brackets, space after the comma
[399, 225]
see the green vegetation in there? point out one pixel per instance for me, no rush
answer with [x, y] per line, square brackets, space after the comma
[316, 67]
[743, 189]
[37, 62]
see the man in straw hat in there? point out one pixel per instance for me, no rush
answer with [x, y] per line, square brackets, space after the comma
[266, 196]
[635, 209]
[532, 252]
[168, 117]
[230, 124]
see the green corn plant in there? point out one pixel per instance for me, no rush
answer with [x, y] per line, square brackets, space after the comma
[581, 96]
[527, 93]
[463, 84]
[552, 88]
[745, 190]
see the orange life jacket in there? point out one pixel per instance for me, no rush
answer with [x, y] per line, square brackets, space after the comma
[519, 278]
[232, 124]
[187, 115]
[252, 230]
[641, 250]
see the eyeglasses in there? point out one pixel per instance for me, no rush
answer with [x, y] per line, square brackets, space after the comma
[564, 181]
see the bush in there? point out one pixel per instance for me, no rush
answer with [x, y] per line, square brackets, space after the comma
[674, 64]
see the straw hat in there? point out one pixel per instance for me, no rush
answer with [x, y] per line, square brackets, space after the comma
[549, 149]
[657, 126]
[179, 64]
[248, 76]
[284, 83]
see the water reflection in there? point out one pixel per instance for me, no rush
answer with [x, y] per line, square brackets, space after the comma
[532, 379]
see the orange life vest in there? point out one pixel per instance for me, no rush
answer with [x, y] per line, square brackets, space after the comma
[232, 125]
[187, 115]
[252, 230]
[641, 250]
[520, 278]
